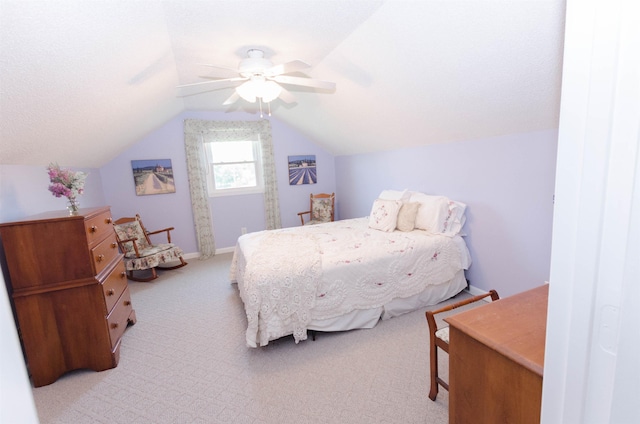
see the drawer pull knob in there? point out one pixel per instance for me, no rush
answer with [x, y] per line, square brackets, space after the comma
[114, 325]
[111, 292]
[108, 220]
[93, 229]
[114, 245]
[123, 274]
[127, 302]
[100, 258]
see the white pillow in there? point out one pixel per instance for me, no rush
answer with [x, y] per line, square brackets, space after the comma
[384, 214]
[432, 213]
[407, 216]
[455, 219]
[403, 195]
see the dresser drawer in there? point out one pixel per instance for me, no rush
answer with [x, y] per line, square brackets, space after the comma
[98, 226]
[118, 318]
[104, 253]
[113, 286]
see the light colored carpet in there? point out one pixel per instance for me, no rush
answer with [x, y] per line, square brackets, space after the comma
[186, 361]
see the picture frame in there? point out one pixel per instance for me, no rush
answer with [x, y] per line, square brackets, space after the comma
[302, 169]
[153, 176]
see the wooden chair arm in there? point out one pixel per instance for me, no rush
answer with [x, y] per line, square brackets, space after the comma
[160, 231]
[303, 213]
[167, 230]
[430, 314]
[132, 241]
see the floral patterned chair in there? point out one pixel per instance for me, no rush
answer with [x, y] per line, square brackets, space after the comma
[320, 209]
[140, 253]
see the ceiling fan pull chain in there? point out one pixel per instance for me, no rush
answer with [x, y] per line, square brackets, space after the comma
[260, 100]
[269, 106]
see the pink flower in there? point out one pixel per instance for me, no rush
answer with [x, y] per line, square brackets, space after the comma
[65, 182]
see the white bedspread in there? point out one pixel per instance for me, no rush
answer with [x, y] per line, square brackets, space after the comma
[292, 276]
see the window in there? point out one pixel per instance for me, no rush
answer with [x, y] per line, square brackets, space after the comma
[234, 167]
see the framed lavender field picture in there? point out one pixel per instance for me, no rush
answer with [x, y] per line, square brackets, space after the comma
[153, 176]
[302, 170]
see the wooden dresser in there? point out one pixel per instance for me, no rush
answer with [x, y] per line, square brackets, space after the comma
[69, 292]
[496, 359]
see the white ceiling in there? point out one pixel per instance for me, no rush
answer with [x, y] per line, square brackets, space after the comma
[82, 80]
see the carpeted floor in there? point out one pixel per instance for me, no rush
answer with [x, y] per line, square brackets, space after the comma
[185, 361]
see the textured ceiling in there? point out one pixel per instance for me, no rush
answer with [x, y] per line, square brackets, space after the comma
[80, 81]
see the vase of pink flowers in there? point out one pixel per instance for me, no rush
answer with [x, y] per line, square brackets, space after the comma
[67, 183]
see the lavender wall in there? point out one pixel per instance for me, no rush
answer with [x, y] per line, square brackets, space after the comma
[229, 213]
[24, 191]
[293, 199]
[161, 210]
[507, 183]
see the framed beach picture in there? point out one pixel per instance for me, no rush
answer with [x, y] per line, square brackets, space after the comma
[153, 176]
[302, 170]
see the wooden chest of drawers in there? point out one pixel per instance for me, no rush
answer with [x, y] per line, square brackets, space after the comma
[68, 287]
[496, 360]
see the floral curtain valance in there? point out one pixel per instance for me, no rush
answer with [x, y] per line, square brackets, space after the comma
[227, 130]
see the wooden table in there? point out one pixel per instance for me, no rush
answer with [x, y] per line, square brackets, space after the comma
[496, 359]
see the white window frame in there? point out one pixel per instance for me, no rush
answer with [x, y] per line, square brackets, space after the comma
[257, 154]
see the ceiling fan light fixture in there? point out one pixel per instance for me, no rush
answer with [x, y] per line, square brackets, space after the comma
[247, 91]
[259, 87]
[270, 91]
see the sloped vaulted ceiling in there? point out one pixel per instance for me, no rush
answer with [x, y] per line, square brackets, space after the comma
[80, 80]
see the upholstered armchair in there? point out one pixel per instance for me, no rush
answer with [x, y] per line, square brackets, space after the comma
[140, 254]
[321, 209]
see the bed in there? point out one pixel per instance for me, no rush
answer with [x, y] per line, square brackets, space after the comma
[407, 254]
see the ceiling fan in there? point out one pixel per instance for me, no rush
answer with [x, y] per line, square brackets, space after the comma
[261, 79]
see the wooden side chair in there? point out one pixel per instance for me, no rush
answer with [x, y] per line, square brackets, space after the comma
[439, 338]
[321, 209]
[139, 253]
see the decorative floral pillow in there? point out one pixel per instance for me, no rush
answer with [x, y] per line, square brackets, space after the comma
[407, 216]
[384, 214]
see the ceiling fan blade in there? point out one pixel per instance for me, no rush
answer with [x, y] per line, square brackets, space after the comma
[223, 82]
[232, 99]
[286, 96]
[234, 70]
[306, 82]
[285, 68]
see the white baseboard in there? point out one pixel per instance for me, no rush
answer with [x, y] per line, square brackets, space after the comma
[196, 255]
[474, 291]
